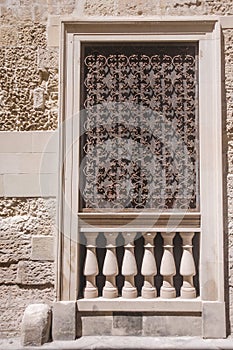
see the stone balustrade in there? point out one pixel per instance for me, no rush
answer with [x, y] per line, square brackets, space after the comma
[157, 264]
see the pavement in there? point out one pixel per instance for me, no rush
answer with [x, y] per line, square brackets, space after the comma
[128, 342]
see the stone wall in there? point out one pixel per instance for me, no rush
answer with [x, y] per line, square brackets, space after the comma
[26, 259]
[29, 102]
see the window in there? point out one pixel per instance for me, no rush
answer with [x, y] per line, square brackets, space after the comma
[140, 156]
[139, 144]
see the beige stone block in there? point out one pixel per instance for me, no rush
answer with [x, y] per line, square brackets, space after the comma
[39, 98]
[28, 163]
[13, 244]
[23, 185]
[36, 325]
[8, 14]
[67, 9]
[64, 320]
[211, 314]
[35, 273]
[15, 142]
[30, 185]
[48, 163]
[32, 35]
[9, 163]
[226, 22]
[54, 10]
[25, 13]
[139, 7]
[44, 141]
[96, 324]
[8, 274]
[45, 163]
[53, 36]
[100, 8]
[48, 58]
[48, 185]
[54, 20]
[172, 325]
[43, 248]
[21, 218]
[140, 305]
[8, 36]
[127, 324]
[40, 13]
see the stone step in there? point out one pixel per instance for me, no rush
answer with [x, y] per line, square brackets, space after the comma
[128, 342]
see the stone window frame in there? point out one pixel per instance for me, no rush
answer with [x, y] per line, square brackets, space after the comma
[207, 32]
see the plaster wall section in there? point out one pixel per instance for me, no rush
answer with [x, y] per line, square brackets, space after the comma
[29, 102]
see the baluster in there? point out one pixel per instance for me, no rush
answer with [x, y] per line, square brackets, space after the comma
[91, 267]
[110, 267]
[149, 269]
[168, 268]
[187, 267]
[129, 267]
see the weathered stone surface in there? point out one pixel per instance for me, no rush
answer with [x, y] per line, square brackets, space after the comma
[38, 98]
[211, 327]
[230, 186]
[8, 274]
[127, 323]
[100, 8]
[8, 36]
[32, 35]
[13, 301]
[27, 216]
[35, 273]
[40, 13]
[8, 15]
[14, 245]
[96, 324]
[172, 325]
[139, 7]
[43, 248]
[36, 325]
[162, 7]
[64, 320]
[218, 7]
[47, 58]
[228, 53]
[38, 92]
[230, 159]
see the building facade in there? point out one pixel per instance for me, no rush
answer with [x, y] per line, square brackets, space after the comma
[54, 246]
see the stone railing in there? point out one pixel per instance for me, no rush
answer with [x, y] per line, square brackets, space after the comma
[156, 265]
[130, 267]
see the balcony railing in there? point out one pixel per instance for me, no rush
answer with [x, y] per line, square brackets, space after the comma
[123, 263]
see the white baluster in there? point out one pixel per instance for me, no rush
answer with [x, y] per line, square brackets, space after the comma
[149, 268]
[129, 267]
[187, 267]
[91, 267]
[110, 267]
[168, 268]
